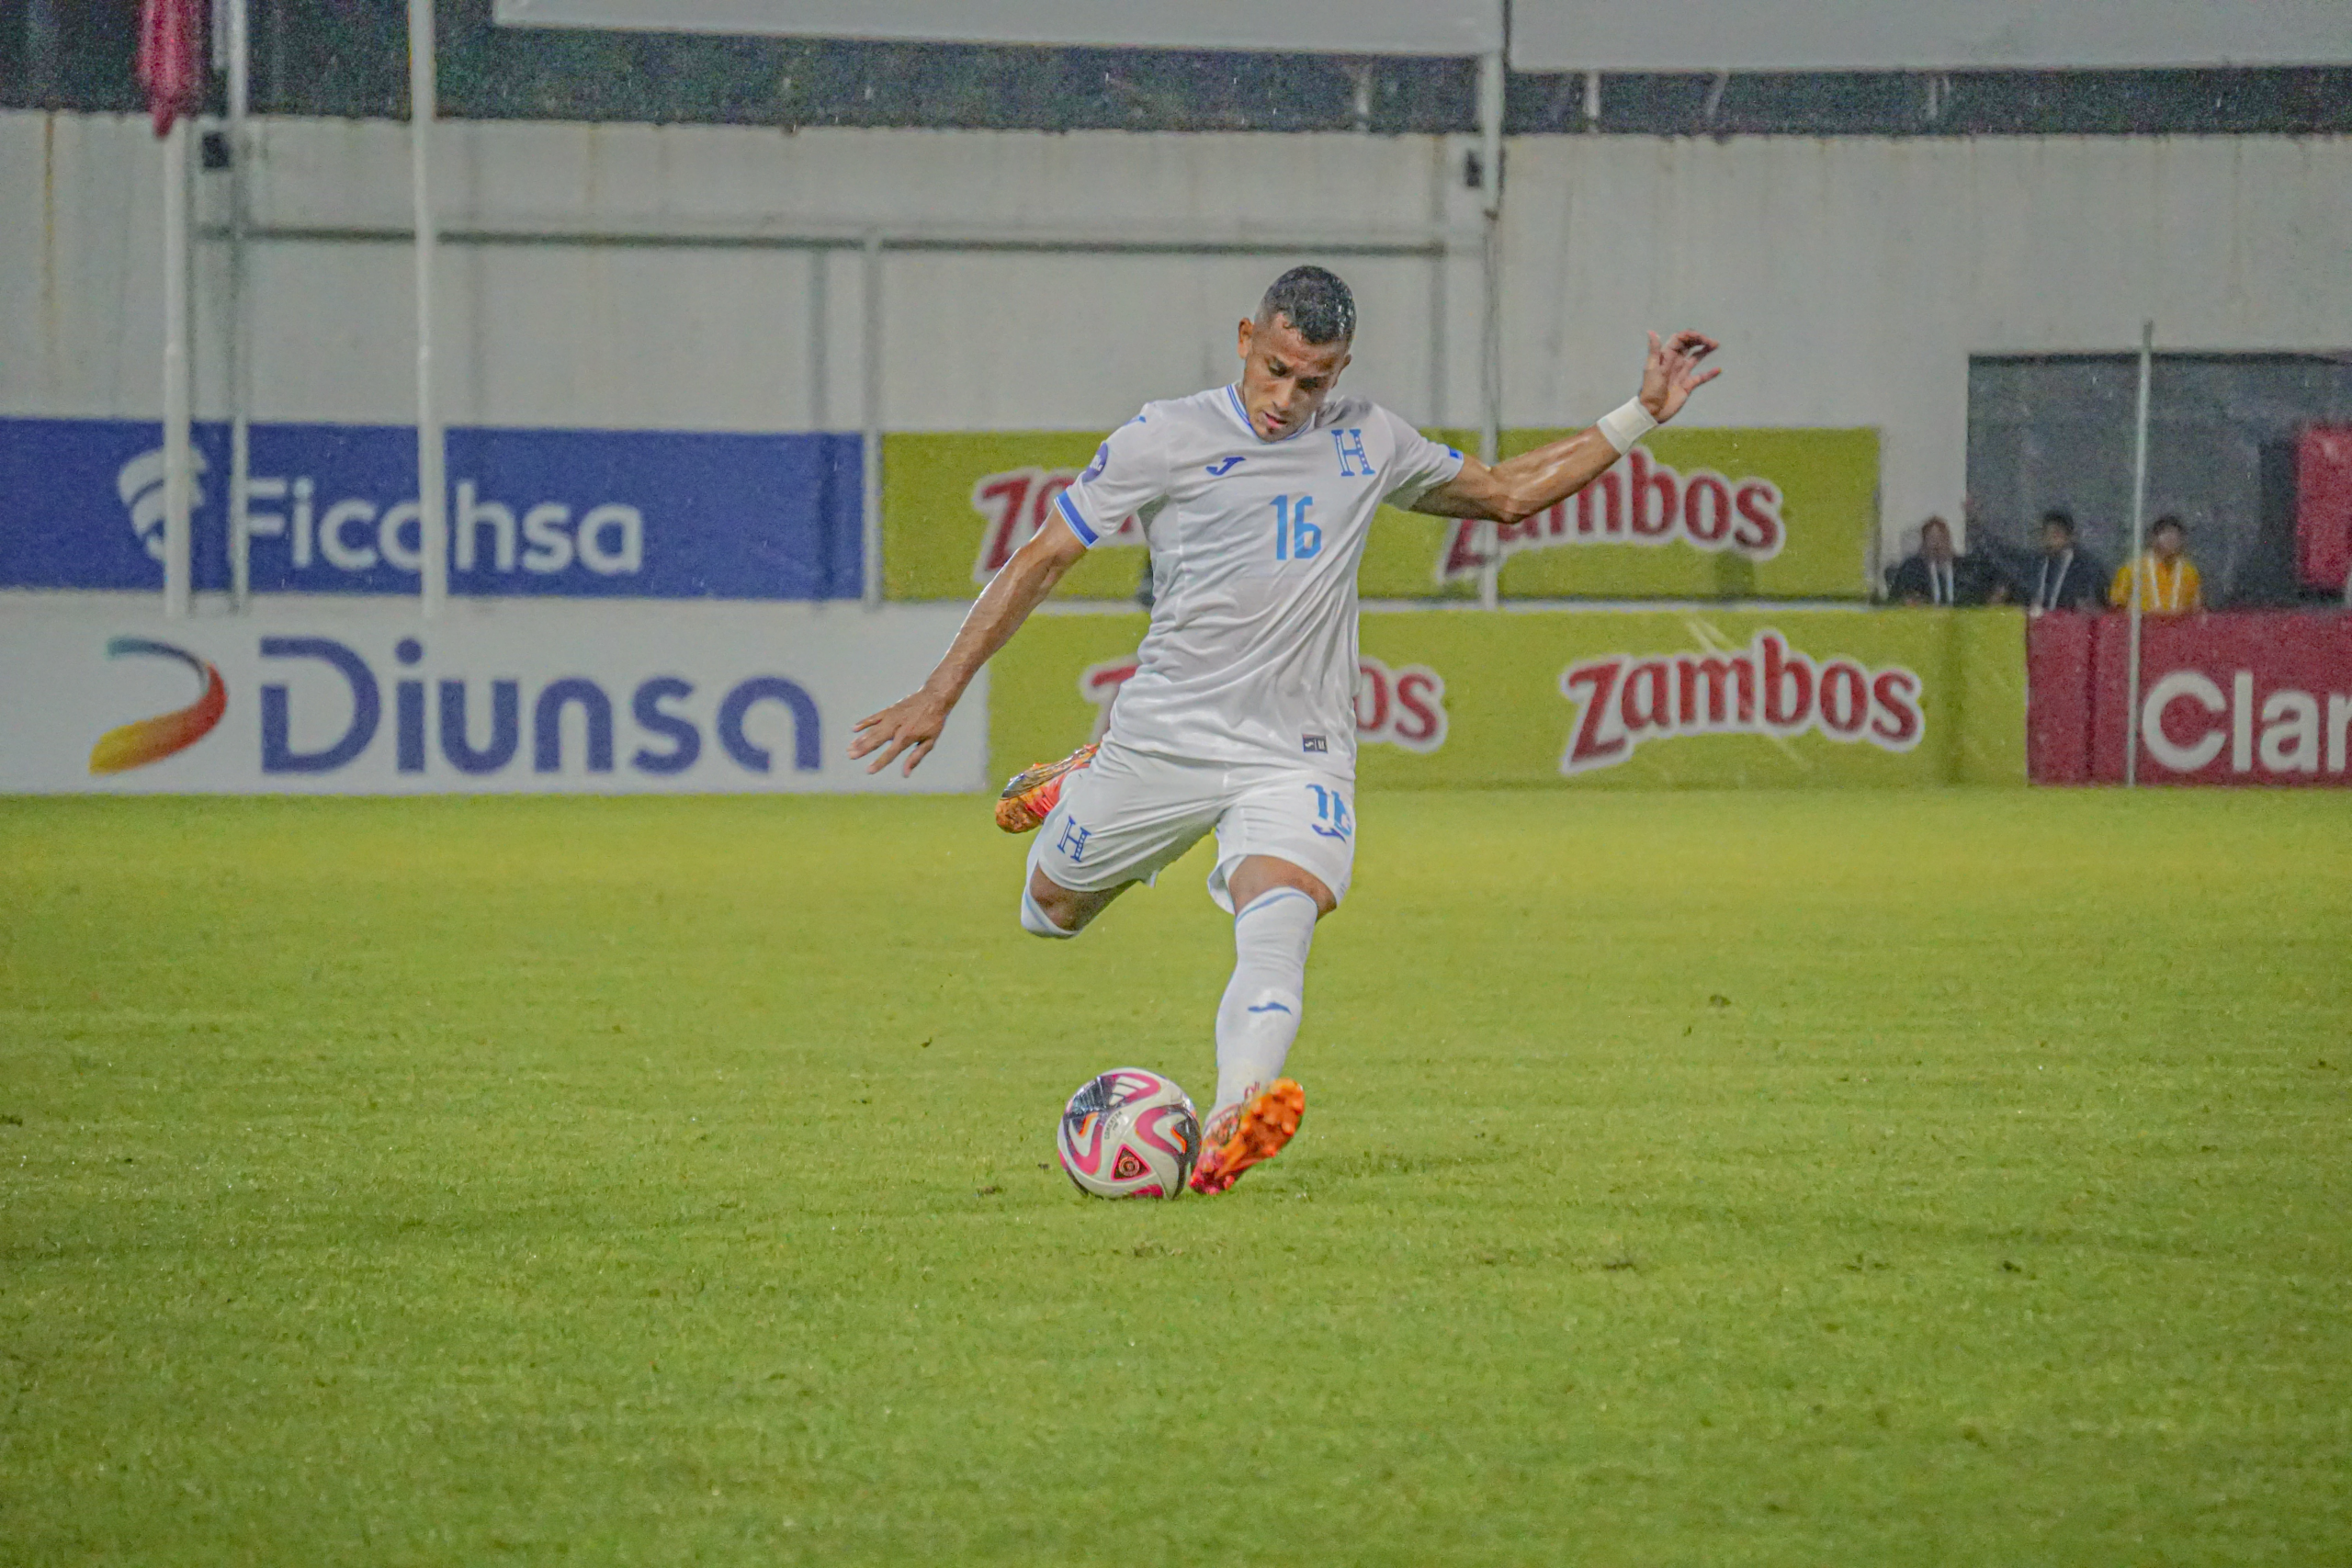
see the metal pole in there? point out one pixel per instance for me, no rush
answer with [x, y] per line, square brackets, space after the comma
[820, 316]
[2139, 521]
[1439, 398]
[240, 43]
[431, 487]
[870, 443]
[1490, 334]
[178, 465]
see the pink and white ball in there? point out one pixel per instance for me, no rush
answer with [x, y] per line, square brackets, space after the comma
[1129, 1134]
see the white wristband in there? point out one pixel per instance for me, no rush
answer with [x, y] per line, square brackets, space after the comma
[1625, 424]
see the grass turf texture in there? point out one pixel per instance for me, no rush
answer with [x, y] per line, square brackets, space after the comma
[1886, 1178]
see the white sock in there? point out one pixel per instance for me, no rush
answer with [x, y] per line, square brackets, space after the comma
[1034, 919]
[1259, 1016]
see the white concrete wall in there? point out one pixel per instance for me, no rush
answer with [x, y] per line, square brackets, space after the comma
[1849, 280]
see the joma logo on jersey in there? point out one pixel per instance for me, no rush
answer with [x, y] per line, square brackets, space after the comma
[1349, 444]
[1766, 688]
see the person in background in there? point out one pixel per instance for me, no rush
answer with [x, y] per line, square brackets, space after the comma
[2165, 578]
[2067, 579]
[1937, 574]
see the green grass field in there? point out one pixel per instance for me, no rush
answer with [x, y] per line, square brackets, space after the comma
[1745, 1179]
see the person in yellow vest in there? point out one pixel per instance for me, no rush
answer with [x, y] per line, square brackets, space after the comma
[2165, 578]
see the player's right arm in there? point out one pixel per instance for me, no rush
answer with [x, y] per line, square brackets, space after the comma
[912, 724]
[1129, 472]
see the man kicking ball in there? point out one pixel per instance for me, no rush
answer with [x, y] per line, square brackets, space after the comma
[1256, 500]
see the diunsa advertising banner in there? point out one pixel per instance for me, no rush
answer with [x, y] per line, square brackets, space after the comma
[102, 693]
[1606, 698]
[1688, 514]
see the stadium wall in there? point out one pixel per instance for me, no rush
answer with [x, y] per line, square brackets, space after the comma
[308, 695]
[1850, 278]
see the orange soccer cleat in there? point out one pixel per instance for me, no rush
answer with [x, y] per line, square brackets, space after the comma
[1255, 1129]
[1030, 798]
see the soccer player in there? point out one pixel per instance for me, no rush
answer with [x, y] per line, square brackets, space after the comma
[1256, 499]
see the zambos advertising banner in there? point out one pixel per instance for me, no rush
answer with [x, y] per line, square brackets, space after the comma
[1609, 698]
[1688, 514]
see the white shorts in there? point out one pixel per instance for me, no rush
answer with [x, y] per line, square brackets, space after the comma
[1127, 814]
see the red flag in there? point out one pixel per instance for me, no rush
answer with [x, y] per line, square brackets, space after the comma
[170, 58]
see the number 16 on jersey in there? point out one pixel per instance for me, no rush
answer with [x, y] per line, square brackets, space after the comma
[1295, 537]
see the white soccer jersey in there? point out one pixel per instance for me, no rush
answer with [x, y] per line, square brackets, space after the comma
[1251, 654]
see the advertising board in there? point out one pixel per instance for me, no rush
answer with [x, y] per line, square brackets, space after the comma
[564, 513]
[99, 693]
[2243, 698]
[1611, 698]
[1688, 515]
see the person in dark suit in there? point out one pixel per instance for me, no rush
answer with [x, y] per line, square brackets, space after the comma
[2068, 578]
[1937, 574]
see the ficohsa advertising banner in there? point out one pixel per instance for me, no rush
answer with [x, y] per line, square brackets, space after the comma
[333, 509]
[504, 698]
[1602, 699]
[1688, 514]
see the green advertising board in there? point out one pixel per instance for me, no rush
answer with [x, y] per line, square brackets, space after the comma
[1688, 514]
[1609, 698]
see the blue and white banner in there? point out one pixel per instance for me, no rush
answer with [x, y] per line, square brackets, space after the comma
[607, 514]
[99, 693]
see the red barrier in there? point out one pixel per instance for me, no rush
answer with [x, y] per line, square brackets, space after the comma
[2058, 696]
[2248, 698]
[2323, 506]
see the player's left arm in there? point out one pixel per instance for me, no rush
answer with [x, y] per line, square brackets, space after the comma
[1517, 487]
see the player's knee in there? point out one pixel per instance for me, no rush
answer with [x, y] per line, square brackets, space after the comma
[1036, 922]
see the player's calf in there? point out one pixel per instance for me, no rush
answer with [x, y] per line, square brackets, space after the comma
[1036, 922]
[1049, 910]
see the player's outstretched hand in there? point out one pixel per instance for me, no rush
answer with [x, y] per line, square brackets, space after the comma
[1672, 373]
[911, 725]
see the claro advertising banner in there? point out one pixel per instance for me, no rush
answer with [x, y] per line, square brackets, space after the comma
[2253, 697]
[342, 698]
[1688, 514]
[564, 513]
[1609, 698]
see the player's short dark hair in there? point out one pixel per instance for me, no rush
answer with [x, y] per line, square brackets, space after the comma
[1315, 302]
[2169, 520]
[2060, 518]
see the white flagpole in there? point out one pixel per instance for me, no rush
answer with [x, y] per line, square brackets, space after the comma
[2138, 527]
[240, 46]
[178, 464]
[870, 442]
[1491, 81]
[431, 487]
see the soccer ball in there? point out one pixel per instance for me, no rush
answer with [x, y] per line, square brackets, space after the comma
[1129, 1134]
